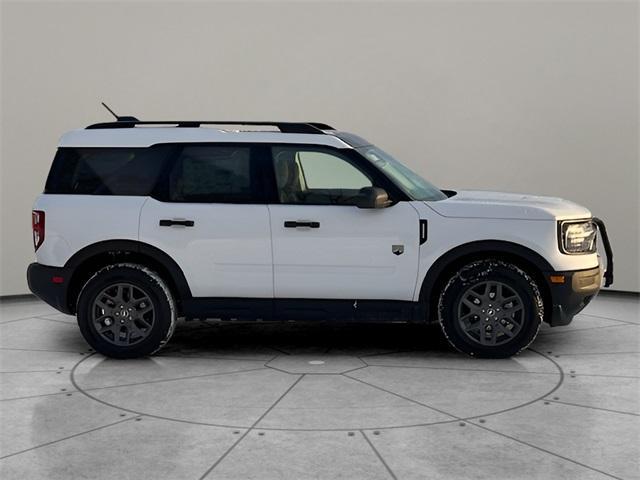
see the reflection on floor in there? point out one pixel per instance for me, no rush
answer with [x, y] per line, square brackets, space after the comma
[271, 401]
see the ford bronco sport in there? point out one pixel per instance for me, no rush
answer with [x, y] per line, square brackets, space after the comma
[144, 222]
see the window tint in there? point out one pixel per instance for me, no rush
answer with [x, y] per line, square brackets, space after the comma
[316, 177]
[106, 171]
[214, 174]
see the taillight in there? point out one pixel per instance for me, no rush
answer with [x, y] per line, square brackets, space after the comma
[37, 222]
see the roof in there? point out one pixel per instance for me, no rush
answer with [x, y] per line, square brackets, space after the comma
[146, 136]
[135, 133]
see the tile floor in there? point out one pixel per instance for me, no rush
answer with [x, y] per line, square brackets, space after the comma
[296, 401]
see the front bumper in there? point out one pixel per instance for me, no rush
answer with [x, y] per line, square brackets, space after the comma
[573, 294]
[572, 291]
[50, 284]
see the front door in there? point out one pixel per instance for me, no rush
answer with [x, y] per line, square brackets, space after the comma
[324, 247]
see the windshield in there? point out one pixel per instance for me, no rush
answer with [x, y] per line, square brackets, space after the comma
[409, 182]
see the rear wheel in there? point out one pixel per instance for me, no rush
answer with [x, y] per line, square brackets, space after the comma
[490, 308]
[126, 311]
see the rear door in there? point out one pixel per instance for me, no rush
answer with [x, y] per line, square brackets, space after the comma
[324, 247]
[211, 218]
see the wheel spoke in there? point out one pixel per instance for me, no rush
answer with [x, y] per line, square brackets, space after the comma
[137, 331]
[467, 315]
[142, 311]
[486, 302]
[130, 294]
[131, 314]
[513, 300]
[492, 291]
[500, 292]
[107, 328]
[470, 306]
[100, 302]
[144, 321]
[504, 329]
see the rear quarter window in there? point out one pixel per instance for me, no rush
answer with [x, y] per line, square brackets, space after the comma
[106, 171]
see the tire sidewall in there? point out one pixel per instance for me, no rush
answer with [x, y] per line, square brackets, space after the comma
[490, 270]
[164, 315]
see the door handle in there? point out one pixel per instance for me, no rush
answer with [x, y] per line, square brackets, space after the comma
[182, 223]
[294, 224]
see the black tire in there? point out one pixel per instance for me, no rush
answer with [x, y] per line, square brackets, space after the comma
[475, 324]
[144, 330]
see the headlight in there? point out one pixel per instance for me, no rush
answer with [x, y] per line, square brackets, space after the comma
[577, 237]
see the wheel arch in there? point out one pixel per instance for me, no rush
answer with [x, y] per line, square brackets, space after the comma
[87, 261]
[530, 261]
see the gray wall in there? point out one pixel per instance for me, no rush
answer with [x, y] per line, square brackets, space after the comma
[533, 97]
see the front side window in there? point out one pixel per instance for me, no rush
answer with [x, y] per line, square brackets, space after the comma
[213, 174]
[316, 177]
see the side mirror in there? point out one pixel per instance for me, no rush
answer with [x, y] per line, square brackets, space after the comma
[372, 197]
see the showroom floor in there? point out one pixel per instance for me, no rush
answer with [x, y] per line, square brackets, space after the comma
[270, 401]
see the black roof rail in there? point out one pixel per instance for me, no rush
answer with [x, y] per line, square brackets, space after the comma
[284, 127]
[321, 126]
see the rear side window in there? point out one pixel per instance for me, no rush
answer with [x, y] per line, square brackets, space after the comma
[214, 174]
[106, 171]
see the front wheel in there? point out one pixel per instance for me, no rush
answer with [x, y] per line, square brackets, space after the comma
[491, 309]
[126, 311]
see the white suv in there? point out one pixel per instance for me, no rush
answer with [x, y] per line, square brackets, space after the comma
[144, 222]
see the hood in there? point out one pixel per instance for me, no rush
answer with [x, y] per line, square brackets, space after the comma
[480, 204]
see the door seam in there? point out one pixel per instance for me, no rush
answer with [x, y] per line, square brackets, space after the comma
[140, 215]
[273, 266]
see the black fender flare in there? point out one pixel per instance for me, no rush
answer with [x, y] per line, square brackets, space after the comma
[478, 249]
[172, 269]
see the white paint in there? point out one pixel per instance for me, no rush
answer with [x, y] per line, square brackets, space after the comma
[73, 222]
[349, 256]
[469, 204]
[227, 253]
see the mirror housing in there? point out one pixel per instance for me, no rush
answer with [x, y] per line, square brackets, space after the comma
[372, 197]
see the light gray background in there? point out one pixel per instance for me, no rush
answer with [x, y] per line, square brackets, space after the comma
[518, 96]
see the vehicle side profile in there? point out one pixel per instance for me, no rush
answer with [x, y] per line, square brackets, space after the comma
[142, 223]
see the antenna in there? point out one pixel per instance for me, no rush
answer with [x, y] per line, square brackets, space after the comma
[118, 118]
[110, 111]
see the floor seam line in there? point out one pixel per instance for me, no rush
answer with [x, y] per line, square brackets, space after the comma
[594, 353]
[459, 369]
[603, 375]
[72, 324]
[68, 437]
[31, 371]
[27, 397]
[17, 320]
[375, 450]
[279, 350]
[624, 324]
[401, 396]
[40, 350]
[594, 408]
[545, 451]
[207, 357]
[392, 352]
[175, 379]
[607, 318]
[226, 453]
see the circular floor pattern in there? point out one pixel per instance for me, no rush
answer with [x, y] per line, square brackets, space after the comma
[291, 378]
